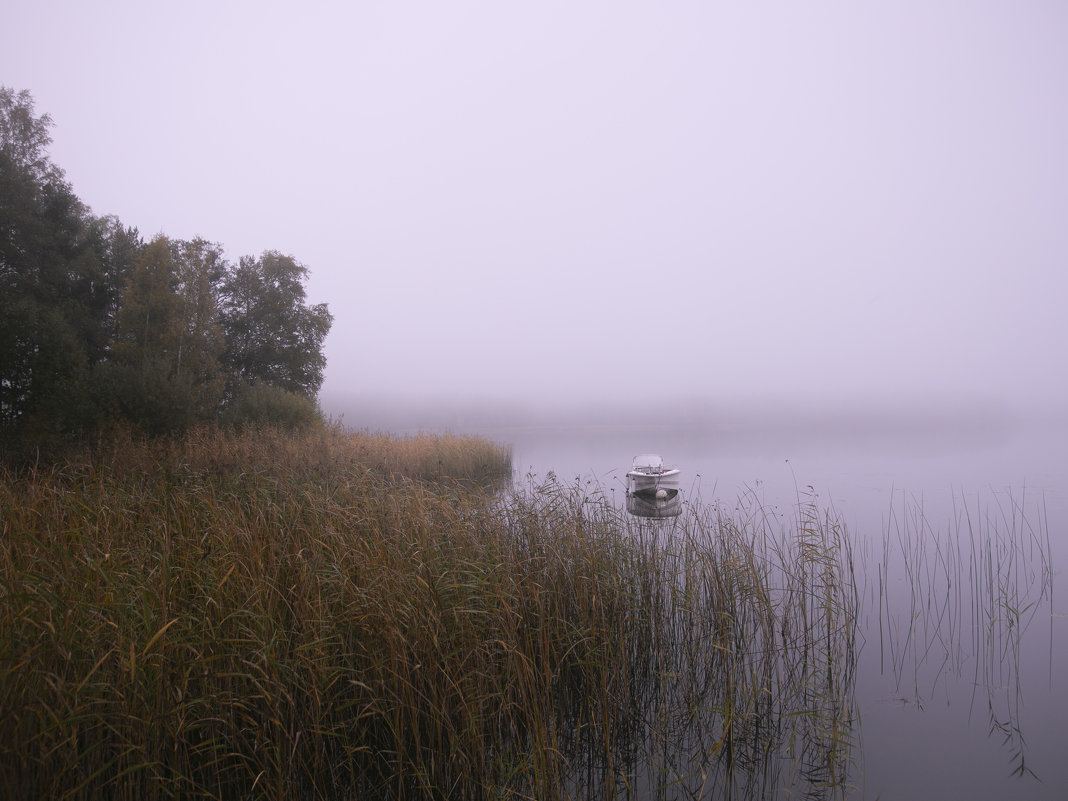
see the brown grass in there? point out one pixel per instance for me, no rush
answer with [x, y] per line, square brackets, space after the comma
[333, 615]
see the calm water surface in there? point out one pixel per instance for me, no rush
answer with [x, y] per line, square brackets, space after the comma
[961, 535]
[963, 668]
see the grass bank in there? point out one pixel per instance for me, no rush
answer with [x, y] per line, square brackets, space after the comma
[335, 615]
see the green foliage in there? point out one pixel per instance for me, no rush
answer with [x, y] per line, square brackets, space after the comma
[263, 404]
[95, 324]
[271, 334]
[52, 272]
[147, 394]
[199, 267]
[24, 138]
[149, 324]
[168, 344]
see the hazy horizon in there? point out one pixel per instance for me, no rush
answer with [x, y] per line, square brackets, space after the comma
[539, 205]
[409, 414]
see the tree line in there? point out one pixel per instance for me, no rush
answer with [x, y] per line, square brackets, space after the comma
[99, 327]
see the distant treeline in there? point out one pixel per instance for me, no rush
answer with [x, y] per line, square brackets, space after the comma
[98, 327]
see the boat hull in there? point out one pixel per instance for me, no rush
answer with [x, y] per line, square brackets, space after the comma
[650, 480]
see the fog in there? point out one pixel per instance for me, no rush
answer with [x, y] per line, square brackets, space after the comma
[805, 250]
[523, 206]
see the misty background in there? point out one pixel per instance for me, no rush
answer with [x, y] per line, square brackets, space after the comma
[528, 211]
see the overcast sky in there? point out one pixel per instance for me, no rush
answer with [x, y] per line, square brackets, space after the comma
[562, 199]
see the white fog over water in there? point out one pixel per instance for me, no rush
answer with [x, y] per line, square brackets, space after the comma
[817, 203]
[784, 245]
[859, 460]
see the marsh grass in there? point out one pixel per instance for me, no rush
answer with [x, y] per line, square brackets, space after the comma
[331, 615]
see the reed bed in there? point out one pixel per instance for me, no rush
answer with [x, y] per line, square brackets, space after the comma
[973, 589]
[329, 615]
[320, 451]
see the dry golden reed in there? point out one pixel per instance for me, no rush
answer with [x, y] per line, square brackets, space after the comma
[323, 614]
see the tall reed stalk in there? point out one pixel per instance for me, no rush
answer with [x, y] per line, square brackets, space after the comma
[332, 615]
[972, 589]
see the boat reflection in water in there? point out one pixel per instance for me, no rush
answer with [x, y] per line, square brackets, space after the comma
[653, 488]
[643, 504]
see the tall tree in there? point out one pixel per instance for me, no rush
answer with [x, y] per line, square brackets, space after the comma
[272, 335]
[51, 275]
[150, 317]
[142, 380]
[166, 369]
[93, 321]
[200, 267]
[118, 248]
[24, 138]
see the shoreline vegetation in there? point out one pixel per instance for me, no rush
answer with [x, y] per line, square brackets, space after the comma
[328, 614]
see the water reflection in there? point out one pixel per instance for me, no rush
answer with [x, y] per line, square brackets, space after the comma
[653, 487]
[955, 628]
[740, 666]
[947, 666]
[649, 504]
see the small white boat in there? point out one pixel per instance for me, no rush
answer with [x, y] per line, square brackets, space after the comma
[649, 475]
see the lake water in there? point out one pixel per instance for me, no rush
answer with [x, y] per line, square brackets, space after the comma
[962, 679]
